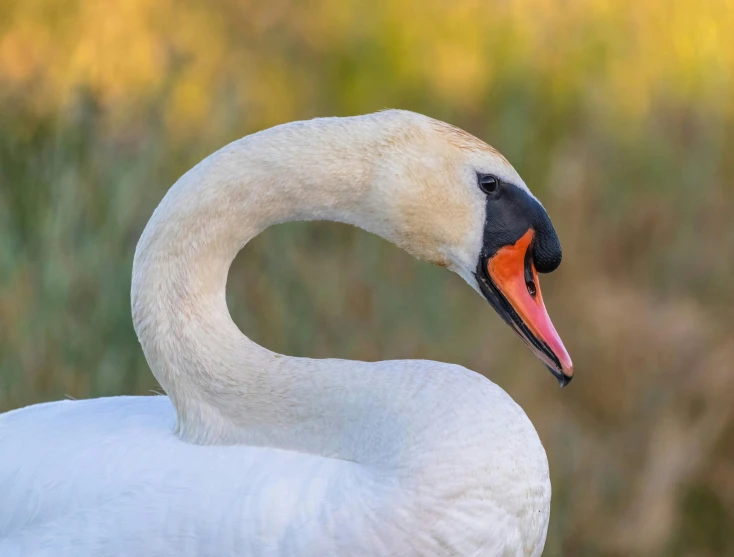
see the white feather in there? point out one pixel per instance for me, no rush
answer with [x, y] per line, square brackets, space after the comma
[256, 453]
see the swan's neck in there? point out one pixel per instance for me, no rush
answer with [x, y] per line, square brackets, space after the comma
[440, 430]
[225, 387]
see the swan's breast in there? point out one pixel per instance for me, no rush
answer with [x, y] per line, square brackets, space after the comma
[457, 460]
[449, 473]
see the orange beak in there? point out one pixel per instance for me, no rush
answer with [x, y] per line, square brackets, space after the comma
[514, 292]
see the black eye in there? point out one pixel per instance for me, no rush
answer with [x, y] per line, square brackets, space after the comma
[488, 183]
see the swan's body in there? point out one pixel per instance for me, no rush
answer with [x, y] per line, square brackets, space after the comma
[267, 454]
[109, 477]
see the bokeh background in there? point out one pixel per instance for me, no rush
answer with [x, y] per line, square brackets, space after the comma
[619, 114]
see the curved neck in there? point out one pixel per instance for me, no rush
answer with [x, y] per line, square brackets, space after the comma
[435, 431]
[226, 388]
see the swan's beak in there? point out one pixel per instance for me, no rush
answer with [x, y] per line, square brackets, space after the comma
[510, 284]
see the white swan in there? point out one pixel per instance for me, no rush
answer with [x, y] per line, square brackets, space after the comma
[254, 453]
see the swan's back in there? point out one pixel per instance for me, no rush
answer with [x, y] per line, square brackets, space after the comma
[122, 483]
[110, 477]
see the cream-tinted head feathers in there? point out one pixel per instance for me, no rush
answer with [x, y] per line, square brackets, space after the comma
[426, 179]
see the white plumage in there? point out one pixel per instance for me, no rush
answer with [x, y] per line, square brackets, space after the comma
[267, 454]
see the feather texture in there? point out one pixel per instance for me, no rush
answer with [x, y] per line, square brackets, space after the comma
[255, 453]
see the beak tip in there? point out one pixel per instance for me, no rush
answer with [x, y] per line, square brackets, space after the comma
[564, 376]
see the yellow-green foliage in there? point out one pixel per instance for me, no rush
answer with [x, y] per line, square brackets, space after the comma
[618, 113]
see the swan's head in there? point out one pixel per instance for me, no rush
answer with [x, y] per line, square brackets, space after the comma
[458, 203]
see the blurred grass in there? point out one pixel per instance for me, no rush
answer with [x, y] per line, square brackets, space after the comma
[619, 115]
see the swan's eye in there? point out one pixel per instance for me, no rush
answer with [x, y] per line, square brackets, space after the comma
[488, 183]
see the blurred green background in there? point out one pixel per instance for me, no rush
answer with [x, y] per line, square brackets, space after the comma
[618, 114]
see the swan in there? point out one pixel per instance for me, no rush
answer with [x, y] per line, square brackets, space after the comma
[255, 453]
